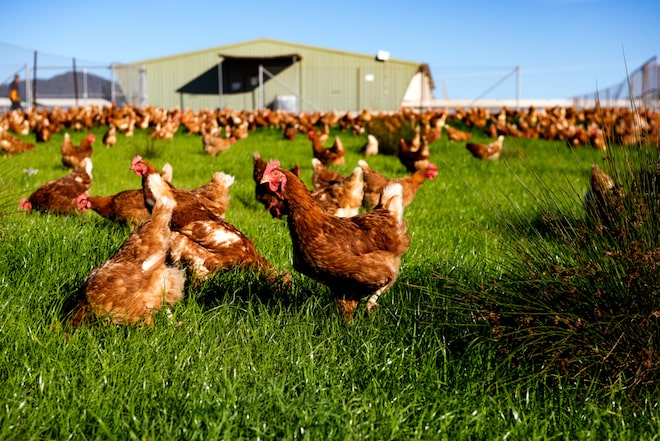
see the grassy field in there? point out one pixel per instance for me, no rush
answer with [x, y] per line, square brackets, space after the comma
[242, 361]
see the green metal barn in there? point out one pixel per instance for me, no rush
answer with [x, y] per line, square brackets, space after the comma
[269, 73]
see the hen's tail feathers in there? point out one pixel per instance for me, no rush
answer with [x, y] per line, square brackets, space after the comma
[223, 179]
[80, 314]
[166, 173]
[88, 166]
[392, 200]
[356, 174]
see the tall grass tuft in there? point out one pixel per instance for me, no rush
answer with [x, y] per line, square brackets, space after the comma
[5, 193]
[579, 294]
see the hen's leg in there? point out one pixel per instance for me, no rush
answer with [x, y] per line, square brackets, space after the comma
[373, 300]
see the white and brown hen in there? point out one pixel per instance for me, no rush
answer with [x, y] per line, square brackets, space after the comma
[488, 151]
[342, 199]
[215, 194]
[72, 154]
[323, 176]
[202, 241]
[375, 183]
[135, 283]
[333, 155]
[371, 147]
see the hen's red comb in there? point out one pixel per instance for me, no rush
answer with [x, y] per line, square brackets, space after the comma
[137, 159]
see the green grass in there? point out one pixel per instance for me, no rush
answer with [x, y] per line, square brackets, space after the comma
[242, 361]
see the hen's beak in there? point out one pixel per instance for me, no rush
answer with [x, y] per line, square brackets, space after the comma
[265, 180]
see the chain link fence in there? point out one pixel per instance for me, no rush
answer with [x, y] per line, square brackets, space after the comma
[52, 80]
[642, 87]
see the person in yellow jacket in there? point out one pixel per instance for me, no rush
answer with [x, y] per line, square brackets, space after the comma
[14, 94]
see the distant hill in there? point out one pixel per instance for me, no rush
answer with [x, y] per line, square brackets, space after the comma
[62, 86]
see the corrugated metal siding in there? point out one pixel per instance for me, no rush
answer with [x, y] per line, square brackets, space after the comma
[326, 79]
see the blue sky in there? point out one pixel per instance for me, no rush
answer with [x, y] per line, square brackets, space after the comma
[563, 47]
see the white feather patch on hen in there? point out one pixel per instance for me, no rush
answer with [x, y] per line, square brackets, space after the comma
[223, 178]
[347, 211]
[392, 199]
[152, 261]
[357, 191]
[223, 237]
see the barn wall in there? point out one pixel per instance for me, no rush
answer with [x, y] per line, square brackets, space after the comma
[326, 79]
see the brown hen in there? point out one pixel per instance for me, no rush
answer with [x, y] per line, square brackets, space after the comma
[72, 154]
[375, 183]
[486, 151]
[323, 176]
[342, 199]
[127, 206]
[604, 198]
[333, 155]
[110, 136]
[415, 155]
[214, 144]
[455, 134]
[64, 195]
[354, 257]
[11, 144]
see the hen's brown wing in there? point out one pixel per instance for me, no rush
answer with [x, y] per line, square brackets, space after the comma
[336, 243]
[215, 194]
[211, 245]
[126, 206]
[342, 199]
[323, 176]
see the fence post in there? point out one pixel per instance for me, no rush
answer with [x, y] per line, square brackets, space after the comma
[75, 81]
[518, 88]
[34, 81]
[143, 86]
